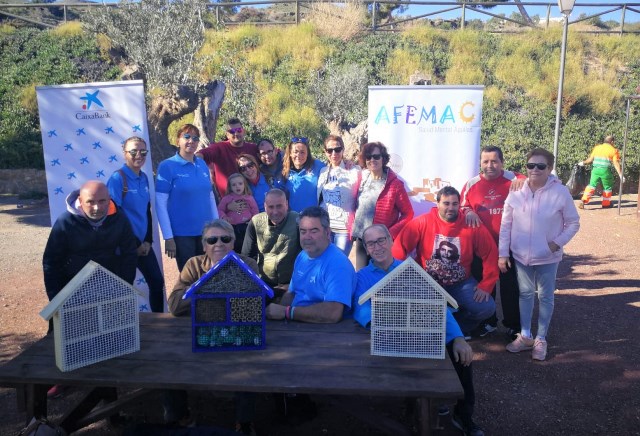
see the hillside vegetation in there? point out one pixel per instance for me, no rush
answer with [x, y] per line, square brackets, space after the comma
[297, 80]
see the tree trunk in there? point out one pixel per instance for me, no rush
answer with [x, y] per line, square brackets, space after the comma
[206, 114]
[353, 138]
[163, 110]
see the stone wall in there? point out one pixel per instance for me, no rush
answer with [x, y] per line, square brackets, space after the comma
[25, 181]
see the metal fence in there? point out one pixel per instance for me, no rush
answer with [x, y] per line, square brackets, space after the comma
[463, 7]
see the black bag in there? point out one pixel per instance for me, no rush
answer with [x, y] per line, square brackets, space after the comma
[578, 180]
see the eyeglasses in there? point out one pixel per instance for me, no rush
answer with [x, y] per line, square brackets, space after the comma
[134, 153]
[243, 168]
[300, 139]
[371, 244]
[212, 240]
[187, 137]
[540, 166]
[337, 150]
[235, 130]
[266, 152]
[376, 156]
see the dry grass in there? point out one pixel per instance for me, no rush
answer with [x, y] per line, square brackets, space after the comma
[340, 21]
[70, 28]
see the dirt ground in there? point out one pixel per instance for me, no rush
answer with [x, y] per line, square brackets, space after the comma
[590, 383]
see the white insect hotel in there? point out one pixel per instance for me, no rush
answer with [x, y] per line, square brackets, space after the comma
[408, 313]
[95, 318]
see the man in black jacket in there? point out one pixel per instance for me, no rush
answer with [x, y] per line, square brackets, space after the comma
[92, 228]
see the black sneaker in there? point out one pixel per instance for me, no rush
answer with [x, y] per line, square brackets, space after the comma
[512, 333]
[481, 331]
[469, 428]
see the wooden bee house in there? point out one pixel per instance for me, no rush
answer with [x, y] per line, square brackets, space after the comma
[408, 313]
[95, 318]
[228, 307]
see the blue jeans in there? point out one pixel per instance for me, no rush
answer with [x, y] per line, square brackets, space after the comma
[186, 248]
[342, 241]
[470, 313]
[540, 279]
[148, 266]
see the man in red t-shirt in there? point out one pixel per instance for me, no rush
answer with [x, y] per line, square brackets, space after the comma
[445, 247]
[221, 156]
[483, 199]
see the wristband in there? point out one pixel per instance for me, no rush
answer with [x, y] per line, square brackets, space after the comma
[291, 314]
[287, 313]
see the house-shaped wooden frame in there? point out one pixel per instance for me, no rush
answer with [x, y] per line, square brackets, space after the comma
[95, 318]
[408, 313]
[228, 308]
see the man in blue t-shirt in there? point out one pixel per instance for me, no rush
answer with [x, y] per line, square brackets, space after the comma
[377, 241]
[323, 278]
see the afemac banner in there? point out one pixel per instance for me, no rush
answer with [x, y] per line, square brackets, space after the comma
[432, 133]
[83, 128]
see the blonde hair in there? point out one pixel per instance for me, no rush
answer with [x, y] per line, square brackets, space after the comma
[247, 190]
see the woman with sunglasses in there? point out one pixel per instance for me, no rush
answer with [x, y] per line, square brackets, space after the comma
[129, 189]
[336, 192]
[301, 171]
[381, 198]
[184, 198]
[217, 241]
[537, 222]
[248, 167]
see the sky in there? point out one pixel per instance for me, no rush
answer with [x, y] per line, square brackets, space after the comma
[581, 7]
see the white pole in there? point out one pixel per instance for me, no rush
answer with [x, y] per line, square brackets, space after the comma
[563, 53]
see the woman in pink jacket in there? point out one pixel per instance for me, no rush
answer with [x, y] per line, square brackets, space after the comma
[537, 222]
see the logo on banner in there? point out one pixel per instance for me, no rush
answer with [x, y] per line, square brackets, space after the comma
[92, 100]
[429, 119]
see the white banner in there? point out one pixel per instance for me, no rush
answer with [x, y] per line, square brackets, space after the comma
[432, 134]
[83, 128]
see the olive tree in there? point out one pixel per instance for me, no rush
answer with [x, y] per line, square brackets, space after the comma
[159, 41]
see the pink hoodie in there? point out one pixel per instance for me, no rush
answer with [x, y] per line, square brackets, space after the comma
[530, 221]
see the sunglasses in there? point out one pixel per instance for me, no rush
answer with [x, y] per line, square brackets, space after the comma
[187, 137]
[540, 166]
[376, 156]
[212, 240]
[371, 244]
[300, 139]
[235, 130]
[243, 168]
[266, 152]
[337, 150]
[134, 153]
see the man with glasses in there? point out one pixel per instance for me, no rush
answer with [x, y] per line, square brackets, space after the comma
[425, 233]
[129, 189]
[378, 242]
[323, 278]
[221, 157]
[482, 201]
[272, 239]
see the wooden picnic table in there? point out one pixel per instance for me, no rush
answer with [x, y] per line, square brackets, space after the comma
[322, 359]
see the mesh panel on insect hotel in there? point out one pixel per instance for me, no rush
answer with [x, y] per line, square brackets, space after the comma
[228, 308]
[408, 313]
[95, 318]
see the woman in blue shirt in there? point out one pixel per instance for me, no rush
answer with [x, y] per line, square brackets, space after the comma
[184, 198]
[301, 171]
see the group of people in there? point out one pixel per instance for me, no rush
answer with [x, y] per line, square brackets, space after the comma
[294, 219]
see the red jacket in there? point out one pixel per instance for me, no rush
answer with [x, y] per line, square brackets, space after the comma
[393, 208]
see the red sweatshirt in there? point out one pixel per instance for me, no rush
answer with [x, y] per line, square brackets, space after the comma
[446, 250]
[486, 198]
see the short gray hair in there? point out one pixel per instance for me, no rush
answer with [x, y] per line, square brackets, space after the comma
[381, 227]
[218, 224]
[316, 212]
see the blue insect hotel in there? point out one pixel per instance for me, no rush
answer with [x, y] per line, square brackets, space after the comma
[228, 308]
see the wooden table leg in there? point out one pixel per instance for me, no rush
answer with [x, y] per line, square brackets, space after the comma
[424, 406]
[36, 400]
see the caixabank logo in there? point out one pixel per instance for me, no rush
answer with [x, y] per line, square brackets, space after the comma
[92, 107]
